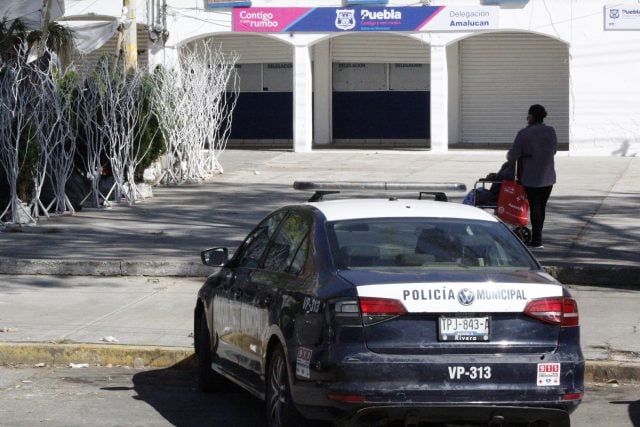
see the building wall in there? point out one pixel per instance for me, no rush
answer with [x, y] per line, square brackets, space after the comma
[604, 90]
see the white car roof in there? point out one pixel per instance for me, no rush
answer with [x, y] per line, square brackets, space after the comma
[346, 209]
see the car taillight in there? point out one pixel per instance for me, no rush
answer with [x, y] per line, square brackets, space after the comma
[573, 396]
[375, 310]
[347, 398]
[557, 310]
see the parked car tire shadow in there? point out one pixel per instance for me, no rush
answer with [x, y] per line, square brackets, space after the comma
[173, 392]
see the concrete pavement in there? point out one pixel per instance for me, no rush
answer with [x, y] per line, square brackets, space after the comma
[132, 272]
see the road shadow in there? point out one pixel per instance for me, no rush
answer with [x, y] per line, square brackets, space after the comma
[634, 410]
[174, 394]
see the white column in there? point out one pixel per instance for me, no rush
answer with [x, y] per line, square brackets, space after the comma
[322, 92]
[453, 77]
[302, 99]
[439, 99]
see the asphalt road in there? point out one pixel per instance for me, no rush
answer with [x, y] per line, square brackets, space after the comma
[101, 397]
[117, 396]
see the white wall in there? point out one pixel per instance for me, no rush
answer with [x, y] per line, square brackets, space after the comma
[104, 8]
[604, 116]
[605, 87]
[604, 65]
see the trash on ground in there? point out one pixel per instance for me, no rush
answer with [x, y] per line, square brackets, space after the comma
[138, 363]
[78, 365]
[109, 339]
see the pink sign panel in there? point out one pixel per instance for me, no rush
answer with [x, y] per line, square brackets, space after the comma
[268, 19]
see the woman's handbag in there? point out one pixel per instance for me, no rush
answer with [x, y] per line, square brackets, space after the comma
[513, 205]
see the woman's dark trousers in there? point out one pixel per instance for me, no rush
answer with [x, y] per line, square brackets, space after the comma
[538, 197]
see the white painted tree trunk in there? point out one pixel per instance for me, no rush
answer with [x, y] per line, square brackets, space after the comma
[90, 136]
[16, 101]
[124, 121]
[194, 110]
[52, 120]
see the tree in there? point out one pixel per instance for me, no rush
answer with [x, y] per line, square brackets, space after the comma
[14, 35]
[124, 119]
[194, 105]
[59, 39]
[25, 116]
[91, 139]
[54, 120]
[62, 141]
[17, 97]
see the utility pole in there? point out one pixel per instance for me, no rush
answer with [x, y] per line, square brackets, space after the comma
[130, 36]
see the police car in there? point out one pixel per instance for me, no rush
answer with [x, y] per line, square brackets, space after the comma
[374, 311]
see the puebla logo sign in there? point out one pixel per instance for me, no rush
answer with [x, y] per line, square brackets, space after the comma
[345, 19]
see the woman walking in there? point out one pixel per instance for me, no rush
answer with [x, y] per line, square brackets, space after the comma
[534, 149]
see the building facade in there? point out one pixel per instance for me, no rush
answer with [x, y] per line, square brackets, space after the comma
[437, 75]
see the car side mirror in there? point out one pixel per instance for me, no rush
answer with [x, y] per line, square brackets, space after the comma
[215, 257]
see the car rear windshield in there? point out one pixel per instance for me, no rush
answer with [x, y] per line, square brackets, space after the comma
[426, 243]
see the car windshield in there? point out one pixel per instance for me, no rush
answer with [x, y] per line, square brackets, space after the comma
[426, 243]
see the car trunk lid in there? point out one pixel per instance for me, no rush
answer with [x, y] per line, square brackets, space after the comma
[456, 313]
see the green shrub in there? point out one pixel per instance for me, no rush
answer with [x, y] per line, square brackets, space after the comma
[151, 140]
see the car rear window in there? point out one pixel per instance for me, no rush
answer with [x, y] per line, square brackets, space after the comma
[426, 243]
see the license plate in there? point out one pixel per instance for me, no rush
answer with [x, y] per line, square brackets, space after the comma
[464, 328]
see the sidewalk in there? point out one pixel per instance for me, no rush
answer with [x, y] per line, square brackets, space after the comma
[592, 237]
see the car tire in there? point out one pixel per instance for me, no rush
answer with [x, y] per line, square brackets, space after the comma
[281, 411]
[208, 380]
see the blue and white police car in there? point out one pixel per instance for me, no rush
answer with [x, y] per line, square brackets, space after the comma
[381, 311]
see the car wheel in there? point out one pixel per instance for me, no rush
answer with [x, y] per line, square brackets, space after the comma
[208, 380]
[280, 408]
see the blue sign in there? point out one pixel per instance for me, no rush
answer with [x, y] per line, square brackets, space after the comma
[211, 4]
[365, 19]
[362, 18]
[357, 2]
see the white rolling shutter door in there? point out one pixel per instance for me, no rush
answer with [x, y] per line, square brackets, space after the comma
[253, 52]
[256, 49]
[502, 75]
[380, 48]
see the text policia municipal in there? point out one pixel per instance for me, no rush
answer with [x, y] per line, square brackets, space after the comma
[449, 294]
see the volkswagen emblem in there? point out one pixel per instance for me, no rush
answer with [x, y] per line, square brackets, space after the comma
[466, 296]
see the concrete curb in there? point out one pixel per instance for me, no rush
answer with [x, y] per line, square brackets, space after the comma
[590, 275]
[15, 266]
[50, 354]
[608, 370]
[624, 276]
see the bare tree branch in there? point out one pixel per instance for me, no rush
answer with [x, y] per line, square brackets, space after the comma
[63, 143]
[52, 121]
[90, 137]
[194, 108]
[16, 100]
[124, 121]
